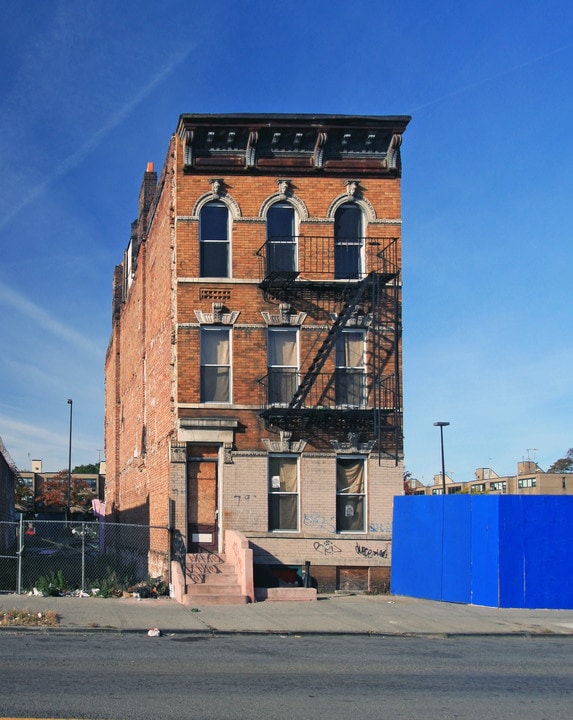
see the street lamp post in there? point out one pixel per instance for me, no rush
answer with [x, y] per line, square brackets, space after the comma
[442, 425]
[71, 404]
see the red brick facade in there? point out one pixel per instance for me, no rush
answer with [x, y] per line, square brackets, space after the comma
[205, 465]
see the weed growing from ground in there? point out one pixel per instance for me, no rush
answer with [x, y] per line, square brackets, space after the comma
[15, 618]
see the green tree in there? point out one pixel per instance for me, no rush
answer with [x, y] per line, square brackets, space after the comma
[89, 469]
[24, 495]
[564, 464]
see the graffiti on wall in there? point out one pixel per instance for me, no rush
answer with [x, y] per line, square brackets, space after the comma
[318, 521]
[326, 547]
[371, 552]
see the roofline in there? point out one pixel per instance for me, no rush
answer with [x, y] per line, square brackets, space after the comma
[270, 119]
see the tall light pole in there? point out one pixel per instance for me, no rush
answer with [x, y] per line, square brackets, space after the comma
[71, 404]
[442, 425]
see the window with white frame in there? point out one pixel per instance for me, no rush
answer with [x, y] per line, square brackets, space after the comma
[350, 371]
[350, 495]
[214, 240]
[530, 482]
[282, 365]
[281, 238]
[215, 357]
[348, 242]
[283, 492]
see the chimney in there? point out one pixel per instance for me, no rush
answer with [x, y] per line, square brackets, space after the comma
[146, 195]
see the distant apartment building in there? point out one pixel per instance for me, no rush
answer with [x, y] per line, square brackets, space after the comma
[529, 480]
[32, 500]
[253, 376]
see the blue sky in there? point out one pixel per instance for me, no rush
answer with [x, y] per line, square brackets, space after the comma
[91, 91]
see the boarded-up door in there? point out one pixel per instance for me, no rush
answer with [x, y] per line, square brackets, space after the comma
[202, 506]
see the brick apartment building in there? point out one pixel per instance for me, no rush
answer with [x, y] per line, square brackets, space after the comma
[253, 376]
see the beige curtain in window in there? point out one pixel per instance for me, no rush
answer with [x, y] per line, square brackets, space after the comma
[286, 470]
[351, 350]
[350, 477]
[284, 498]
[215, 358]
[282, 348]
[219, 391]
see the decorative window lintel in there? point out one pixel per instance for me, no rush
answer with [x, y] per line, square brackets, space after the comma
[285, 316]
[285, 444]
[217, 317]
[353, 446]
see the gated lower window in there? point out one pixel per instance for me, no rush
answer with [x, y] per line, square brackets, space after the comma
[350, 495]
[283, 492]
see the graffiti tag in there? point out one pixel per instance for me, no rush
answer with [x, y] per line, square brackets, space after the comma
[371, 552]
[327, 547]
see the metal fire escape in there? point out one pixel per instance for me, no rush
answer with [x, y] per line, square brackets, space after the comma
[375, 294]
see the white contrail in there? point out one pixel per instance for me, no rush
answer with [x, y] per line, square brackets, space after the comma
[76, 157]
[495, 76]
[45, 320]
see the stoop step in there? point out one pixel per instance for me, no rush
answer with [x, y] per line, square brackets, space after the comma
[209, 580]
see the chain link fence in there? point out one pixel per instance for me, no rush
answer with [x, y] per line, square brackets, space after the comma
[55, 557]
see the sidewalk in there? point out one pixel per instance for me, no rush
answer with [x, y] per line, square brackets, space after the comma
[331, 614]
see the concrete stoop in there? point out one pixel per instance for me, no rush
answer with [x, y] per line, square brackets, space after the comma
[209, 580]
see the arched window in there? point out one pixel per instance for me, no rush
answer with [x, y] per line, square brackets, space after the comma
[348, 242]
[214, 240]
[281, 238]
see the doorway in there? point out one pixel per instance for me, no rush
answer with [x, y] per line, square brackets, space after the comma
[202, 505]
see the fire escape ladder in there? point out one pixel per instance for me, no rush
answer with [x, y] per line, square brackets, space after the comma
[328, 343]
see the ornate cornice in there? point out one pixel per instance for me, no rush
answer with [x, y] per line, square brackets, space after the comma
[328, 144]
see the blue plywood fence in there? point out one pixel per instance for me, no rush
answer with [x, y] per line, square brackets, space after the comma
[500, 551]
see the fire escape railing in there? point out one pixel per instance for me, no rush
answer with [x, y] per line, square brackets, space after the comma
[321, 258]
[355, 272]
[340, 390]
